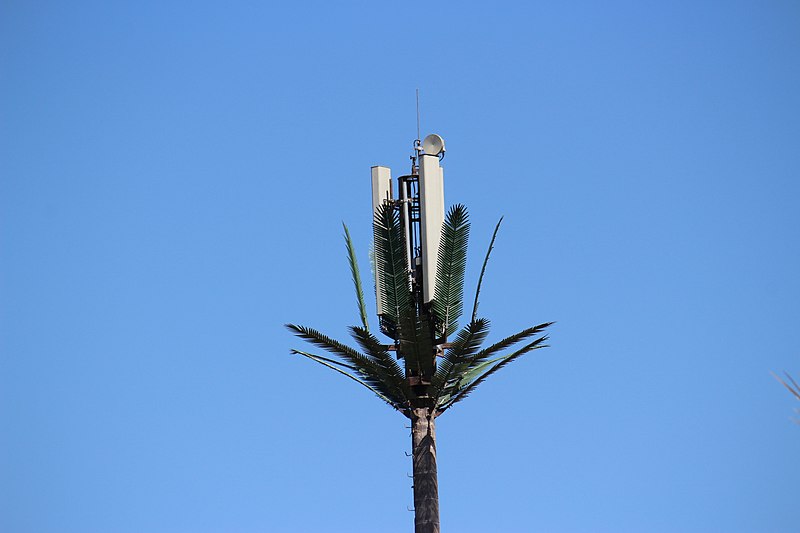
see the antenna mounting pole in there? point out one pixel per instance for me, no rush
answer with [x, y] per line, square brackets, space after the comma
[418, 135]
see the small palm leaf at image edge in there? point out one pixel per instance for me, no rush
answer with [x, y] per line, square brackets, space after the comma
[792, 386]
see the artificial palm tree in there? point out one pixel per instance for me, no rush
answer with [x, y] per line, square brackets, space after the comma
[435, 374]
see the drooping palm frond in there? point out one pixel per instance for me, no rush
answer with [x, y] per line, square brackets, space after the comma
[317, 338]
[356, 275]
[448, 301]
[473, 379]
[391, 267]
[508, 342]
[341, 364]
[483, 269]
[464, 361]
[445, 395]
[334, 365]
[381, 377]
[380, 356]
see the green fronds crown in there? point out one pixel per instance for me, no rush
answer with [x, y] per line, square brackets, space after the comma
[448, 300]
[464, 364]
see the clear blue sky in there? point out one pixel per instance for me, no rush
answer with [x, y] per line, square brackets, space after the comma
[172, 181]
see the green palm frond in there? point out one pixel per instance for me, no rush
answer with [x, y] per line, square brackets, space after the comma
[375, 349]
[316, 338]
[464, 362]
[388, 383]
[463, 350]
[510, 341]
[392, 373]
[417, 330]
[356, 275]
[448, 301]
[445, 395]
[330, 363]
[326, 359]
[391, 267]
[464, 388]
[483, 268]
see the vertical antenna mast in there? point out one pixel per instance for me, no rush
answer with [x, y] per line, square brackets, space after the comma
[420, 202]
[418, 134]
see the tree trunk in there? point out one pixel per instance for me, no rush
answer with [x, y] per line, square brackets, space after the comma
[426, 484]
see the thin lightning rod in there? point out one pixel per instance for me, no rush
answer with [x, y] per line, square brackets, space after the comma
[418, 138]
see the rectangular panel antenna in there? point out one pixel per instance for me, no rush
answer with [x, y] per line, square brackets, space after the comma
[381, 192]
[431, 196]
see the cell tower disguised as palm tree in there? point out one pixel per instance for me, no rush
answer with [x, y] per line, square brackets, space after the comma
[419, 258]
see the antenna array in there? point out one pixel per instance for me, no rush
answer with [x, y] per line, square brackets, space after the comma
[420, 202]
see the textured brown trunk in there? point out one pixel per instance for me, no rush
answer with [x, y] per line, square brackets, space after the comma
[426, 484]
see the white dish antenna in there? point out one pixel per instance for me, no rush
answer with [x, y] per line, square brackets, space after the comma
[433, 145]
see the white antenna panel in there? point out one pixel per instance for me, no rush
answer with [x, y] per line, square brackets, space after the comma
[431, 197]
[381, 192]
